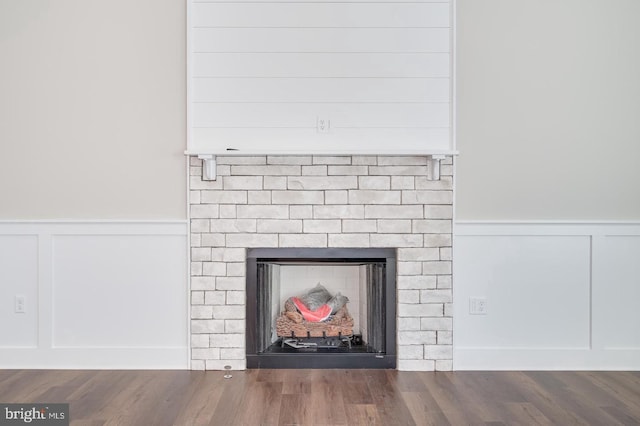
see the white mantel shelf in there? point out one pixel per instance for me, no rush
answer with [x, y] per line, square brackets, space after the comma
[210, 157]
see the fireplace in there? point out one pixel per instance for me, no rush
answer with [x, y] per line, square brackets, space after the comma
[327, 205]
[365, 275]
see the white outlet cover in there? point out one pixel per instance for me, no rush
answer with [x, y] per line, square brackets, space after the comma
[478, 305]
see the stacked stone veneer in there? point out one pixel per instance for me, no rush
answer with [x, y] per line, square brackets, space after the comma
[315, 201]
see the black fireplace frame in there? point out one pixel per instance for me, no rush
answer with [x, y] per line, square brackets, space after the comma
[350, 360]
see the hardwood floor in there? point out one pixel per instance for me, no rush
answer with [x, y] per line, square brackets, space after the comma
[331, 397]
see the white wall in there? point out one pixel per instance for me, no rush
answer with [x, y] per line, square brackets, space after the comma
[92, 109]
[548, 105]
[559, 295]
[98, 295]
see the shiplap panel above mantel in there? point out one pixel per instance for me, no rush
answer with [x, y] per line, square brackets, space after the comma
[264, 74]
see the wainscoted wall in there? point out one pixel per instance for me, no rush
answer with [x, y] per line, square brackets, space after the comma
[97, 294]
[559, 295]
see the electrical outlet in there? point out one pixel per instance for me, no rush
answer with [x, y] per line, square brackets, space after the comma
[478, 305]
[20, 304]
[323, 125]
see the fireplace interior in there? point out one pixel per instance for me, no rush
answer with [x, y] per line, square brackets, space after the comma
[361, 335]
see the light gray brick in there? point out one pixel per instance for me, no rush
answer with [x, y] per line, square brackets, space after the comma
[432, 226]
[208, 353]
[314, 170]
[199, 340]
[300, 212]
[232, 353]
[349, 240]
[234, 326]
[442, 267]
[409, 268]
[357, 196]
[418, 254]
[394, 226]
[206, 326]
[403, 182]
[197, 365]
[420, 310]
[215, 298]
[339, 212]
[227, 340]
[308, 183]
[396, 240]
[236, 269]
[213, 269]
[374, 182]
[197, 297]
[201, 312]
[419, 282]
[196, 240]
[224, 197]
[259, 197]
[446, 253]
[438, 212]
[241, 159]
[322, 226]
[336, 197]
[408, 296]
[437, 240]
[199, 225]
[321, 159]
[398, 170]
[228, 211]
[275, 182]
[223, 312]
[196, 268]
[231, 254]
[236, 297]
[220, 364]
[408, 323]
[303, 240]
[427, 197]
[252, 240]
[195, 162]
[196, 183]
[352, 226]
[444, 365]
[223, 170]
[444, 281]
[230, 283]
[412, 365]
[410, 351]
[194, 197]
[393, 212]
[416, 338]
[242, 182]
[441, 323]
[279, 226]
[364, 160]
[438, 351]
[445, 337]
[446, 170]
[270, 170]
[448, 309]
[203, 283]
[297, 197]
[213, 240]
[347, 170]
[420, 160]
[444, 183]
[263, 212]
[288, 159]
[204, 211]
[233, 225]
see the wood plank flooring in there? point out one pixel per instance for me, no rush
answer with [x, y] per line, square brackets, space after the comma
[331, 397]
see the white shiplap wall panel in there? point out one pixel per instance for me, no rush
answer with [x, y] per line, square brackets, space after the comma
[263, 73]
[328, 65]
[319, 15]
[342, 115]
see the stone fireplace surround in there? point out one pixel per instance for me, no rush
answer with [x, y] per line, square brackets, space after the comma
[321, 201]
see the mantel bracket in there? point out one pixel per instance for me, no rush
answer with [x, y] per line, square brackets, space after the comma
[434, 165]
[209, 166]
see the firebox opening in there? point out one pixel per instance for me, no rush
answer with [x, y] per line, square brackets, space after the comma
[359, 335]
